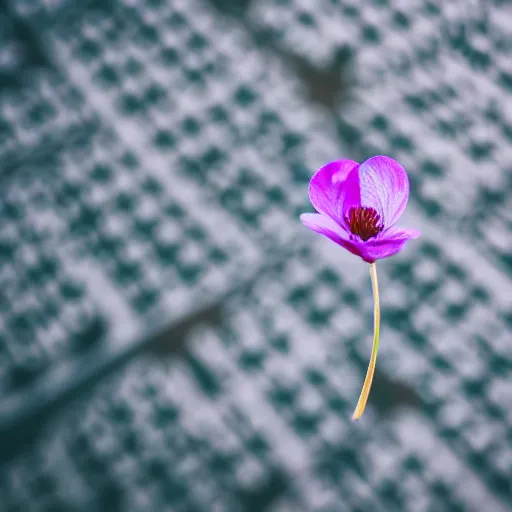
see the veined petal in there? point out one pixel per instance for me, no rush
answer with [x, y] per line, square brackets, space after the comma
[383, 185]
[352, 196]
[327, 187]
[388, 243]
[398, 233]
[328, 227]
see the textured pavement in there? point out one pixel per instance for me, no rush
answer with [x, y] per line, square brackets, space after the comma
[155, 156]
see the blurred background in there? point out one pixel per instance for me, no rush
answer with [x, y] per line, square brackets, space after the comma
[171, 337]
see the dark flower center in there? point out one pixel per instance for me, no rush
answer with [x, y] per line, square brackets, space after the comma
[364, 222]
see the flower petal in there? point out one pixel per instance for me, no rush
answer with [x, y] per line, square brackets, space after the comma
[389, 242]
[352, 196]
[328, 227]
[383, 185]
[326, 189]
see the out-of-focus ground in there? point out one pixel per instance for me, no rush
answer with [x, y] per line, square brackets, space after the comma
[171, 337]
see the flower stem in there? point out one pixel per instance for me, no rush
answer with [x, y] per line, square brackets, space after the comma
[365, 391]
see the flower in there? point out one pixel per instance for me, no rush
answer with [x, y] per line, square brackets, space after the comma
[359, 204]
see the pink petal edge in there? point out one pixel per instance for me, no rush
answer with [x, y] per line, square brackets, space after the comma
[326, 226]
[327, 188]
[383, 185]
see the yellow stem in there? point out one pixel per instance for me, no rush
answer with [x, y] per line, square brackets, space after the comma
[365, 391]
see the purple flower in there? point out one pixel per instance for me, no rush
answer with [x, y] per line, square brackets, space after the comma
[359, 204]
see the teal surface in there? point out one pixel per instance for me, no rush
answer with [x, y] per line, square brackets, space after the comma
[171, 337]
